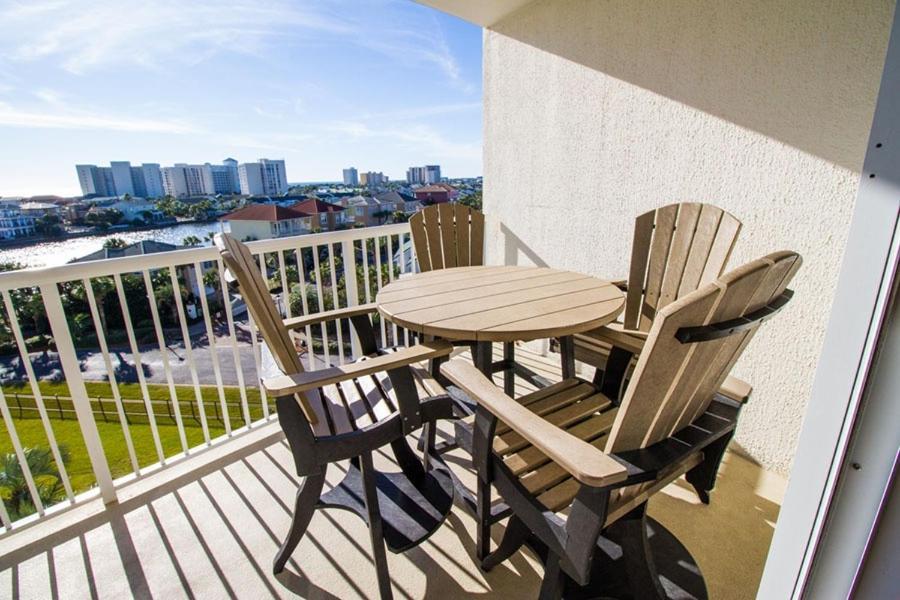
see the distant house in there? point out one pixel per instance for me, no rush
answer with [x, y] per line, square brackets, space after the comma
[432, 194]
[39, 209]
[365, 210]
[325, 216]
[13, 224]
[265, 221]
[399, 201]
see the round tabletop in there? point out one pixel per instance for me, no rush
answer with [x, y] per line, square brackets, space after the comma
[500, 304]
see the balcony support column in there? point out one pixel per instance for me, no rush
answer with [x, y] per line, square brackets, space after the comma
[68, 358]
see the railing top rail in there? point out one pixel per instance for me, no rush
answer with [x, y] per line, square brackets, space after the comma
[129, 264]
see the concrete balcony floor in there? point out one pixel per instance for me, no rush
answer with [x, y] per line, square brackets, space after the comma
[210, 526]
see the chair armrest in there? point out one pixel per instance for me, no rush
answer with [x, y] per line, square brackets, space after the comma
[282, 385]
[330, 315]
[583, 461]
[736, 389]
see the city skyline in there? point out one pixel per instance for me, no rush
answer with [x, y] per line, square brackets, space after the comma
[284, 81]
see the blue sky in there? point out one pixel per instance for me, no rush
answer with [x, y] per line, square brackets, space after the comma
[325, 84]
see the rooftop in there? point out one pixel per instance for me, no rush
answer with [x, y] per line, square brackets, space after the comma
[315, 206]
[265, 212]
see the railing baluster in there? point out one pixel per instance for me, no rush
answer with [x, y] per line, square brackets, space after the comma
[164, 353]
[189, 350]
[401, 243]
[390, 262]
[71, 366]
[36, 392]
[20, 456]
[285, 286]
[301, 272]
[320, 297]
[348, 253]
[211, 337]
[378, 278]
[335, 298]
[107, 361]
[139, 367]
[235, 351]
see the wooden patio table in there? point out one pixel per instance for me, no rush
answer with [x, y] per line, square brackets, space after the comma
[506, 304]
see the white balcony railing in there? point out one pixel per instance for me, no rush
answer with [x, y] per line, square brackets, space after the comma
[177, 379]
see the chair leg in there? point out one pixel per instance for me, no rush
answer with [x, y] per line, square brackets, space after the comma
[515, 535]
[630, 532]
[375, 527]
[304, 506]
[483, 516]
[554, 578]
[703, 476]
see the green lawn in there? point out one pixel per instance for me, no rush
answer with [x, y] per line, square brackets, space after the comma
[68, 433]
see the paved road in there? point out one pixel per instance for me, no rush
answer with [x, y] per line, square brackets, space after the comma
[47, 365]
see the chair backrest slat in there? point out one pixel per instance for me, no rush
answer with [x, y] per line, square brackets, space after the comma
[674, 382]
[448, 235]
[240, 262]
[676, 248]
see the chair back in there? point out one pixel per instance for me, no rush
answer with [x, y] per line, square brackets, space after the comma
[676, 249]
[240, 263]
[692, 346]
[448, 235]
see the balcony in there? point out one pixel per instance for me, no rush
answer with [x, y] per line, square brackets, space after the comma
[176, 479]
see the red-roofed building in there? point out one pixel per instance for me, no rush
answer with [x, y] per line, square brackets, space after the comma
[325, 216]
[264, 221]
[435, 193]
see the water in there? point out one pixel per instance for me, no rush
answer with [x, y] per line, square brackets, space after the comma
[52, 254]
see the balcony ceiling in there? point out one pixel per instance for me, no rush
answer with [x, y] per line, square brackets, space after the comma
[479, 12]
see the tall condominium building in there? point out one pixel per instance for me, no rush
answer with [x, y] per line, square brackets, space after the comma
[92, 180]
[371, 179]
[424, 175]
[232, 166]
[174, 181]
[153, 180]
[220, 179]
[120, 178]
[351, 177]
[121, 172]
[263, 178]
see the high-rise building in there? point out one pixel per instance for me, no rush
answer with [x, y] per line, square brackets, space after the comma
[152, 180]
[92, 180]
[219, 179]
[174, 182]
[372, 180]
[351, 177]
[232, 166]
[138, 182]
[263, 178]
[424, 175]
[121, 173]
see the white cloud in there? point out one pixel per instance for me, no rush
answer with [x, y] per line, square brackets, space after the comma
[85, 35]
[14, 117]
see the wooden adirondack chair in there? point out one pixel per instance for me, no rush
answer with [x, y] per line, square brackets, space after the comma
[347, 412]
[573, 465]
[676, 249]
[448, 235]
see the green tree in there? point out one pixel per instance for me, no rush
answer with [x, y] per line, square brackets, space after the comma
[472, 201]
[192, 240]
[114, 242]
[400, 217]
[14, 488]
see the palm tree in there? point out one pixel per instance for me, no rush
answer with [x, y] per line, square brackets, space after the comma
[211, 279]
[114, 242]
[191, 240]
[14, 488]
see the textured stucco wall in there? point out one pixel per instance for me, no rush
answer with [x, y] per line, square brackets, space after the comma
[597, 111]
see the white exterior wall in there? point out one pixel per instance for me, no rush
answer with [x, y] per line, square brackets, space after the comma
[251, 179]
[596, 112]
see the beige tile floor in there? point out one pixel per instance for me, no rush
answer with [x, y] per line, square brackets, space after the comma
[209, 528]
